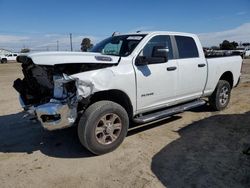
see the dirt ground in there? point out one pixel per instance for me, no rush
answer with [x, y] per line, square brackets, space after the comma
[198, 148]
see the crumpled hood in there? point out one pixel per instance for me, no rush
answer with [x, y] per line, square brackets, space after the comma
[53, 58]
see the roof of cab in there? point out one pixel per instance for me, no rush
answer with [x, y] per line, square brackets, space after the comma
[159, 33]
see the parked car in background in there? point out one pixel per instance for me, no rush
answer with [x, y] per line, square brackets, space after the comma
[247, 54]
[8, 57]
[239, 51]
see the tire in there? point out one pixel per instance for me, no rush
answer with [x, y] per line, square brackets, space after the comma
[221, 95]
[103, 127]
[4, 60]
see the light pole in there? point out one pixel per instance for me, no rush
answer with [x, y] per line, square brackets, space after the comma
[57, 45]
[70, 37]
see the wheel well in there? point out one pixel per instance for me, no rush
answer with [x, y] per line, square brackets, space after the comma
[228, 76]
[116, 96]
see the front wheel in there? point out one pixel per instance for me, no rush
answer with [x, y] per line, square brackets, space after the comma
[221, 95]
[103, 127]
[4, 60]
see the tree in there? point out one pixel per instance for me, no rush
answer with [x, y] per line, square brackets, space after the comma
[235, 44]
[86, 44]
[226, 45]
[25, 50]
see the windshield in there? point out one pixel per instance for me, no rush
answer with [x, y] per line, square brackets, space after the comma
[121, 45]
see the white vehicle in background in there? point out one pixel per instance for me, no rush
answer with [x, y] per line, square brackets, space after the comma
[247, 54]
[139, 77]
[240, 51]
[8, 57]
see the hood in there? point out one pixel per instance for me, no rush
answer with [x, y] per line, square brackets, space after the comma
[54, 58]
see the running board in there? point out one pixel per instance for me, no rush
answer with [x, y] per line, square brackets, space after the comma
[168, 112]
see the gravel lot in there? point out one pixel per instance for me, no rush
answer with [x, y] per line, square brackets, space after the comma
[198, 148]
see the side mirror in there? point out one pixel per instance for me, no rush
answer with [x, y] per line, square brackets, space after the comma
[161, 53]
[141, 61]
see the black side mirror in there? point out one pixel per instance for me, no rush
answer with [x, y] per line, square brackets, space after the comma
[160, 53]
[141, 61]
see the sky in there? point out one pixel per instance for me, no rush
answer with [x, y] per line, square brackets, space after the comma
[38, 25]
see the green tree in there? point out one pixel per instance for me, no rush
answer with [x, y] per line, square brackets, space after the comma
[86, 44]
[25, 50]
[226, 45]
[235, 44]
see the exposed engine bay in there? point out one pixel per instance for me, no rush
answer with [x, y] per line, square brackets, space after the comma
[50, 94]
[37, 86]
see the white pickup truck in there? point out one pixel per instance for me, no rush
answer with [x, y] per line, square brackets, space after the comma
[139, 77]
[8, 57]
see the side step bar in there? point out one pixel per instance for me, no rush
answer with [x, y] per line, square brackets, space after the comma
[168, 112]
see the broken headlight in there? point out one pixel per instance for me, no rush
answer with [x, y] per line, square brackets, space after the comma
[64, 87]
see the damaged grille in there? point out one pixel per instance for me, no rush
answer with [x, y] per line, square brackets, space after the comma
[40, 82]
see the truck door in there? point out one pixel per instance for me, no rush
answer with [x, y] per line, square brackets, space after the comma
[156, 81]
[192, 69]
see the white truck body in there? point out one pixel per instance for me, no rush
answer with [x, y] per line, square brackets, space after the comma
[144, 87]
[187, 83]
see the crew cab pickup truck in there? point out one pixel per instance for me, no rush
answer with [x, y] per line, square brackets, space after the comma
[130, 78]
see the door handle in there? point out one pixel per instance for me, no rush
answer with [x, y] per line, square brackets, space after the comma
[202, 65]
[171, 68]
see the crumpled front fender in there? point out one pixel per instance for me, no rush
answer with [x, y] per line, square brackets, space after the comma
[88, 83]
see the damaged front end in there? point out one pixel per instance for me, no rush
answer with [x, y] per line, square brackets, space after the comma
[56, 115]
[61, 111]
[49, 94]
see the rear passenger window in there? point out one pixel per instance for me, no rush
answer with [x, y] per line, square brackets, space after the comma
[186, 46]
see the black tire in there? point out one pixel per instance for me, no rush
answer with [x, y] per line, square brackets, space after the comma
[93, 117]
[4, 60]
[221, 95]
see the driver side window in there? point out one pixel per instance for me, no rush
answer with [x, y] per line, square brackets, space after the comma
[163, 41]
[112, 48]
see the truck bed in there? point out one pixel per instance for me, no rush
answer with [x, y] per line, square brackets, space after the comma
[219, 65]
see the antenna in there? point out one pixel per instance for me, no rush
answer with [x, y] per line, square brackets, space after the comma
[115, 33]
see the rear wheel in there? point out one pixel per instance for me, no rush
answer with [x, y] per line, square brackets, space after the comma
[221, 95]
[103, 127]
